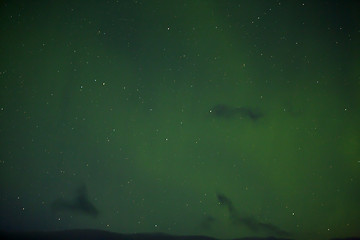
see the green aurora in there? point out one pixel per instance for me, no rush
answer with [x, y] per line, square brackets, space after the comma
[139, 116]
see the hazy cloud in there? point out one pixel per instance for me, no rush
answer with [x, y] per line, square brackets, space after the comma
[248, 221]
[207, 222]
[228, 112]
[80, 204]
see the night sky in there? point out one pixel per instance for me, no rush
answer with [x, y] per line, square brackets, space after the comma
[220, 118]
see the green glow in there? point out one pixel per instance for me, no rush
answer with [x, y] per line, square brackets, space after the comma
[115, 96]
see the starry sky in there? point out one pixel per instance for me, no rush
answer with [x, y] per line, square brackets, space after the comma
[221, 118]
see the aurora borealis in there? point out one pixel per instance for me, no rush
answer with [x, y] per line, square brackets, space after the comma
[220, 118]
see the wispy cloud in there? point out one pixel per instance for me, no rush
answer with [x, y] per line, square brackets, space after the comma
[250, 222]
[80, 204]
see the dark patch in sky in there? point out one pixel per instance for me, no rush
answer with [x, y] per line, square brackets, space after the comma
[207, 222]
[80, 204]
[248, 221]
[225, 111]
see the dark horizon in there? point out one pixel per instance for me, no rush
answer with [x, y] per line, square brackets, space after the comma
[91, 234]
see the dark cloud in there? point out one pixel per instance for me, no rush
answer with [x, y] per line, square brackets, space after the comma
[223, 200]
[250, 222]
[80, 204]
[207, 222]
[225, 111]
